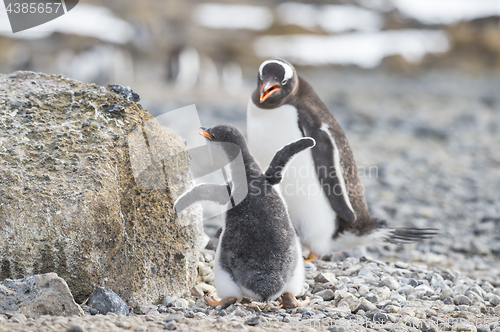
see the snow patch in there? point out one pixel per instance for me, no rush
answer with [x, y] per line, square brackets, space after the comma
[222, 16]
[447, 11]
[331, 18]
[365, 49]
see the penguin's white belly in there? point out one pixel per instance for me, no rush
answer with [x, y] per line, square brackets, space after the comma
[295, 285]
[268, 131]
[224, 283]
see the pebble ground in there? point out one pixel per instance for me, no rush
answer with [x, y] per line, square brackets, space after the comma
[351, 295]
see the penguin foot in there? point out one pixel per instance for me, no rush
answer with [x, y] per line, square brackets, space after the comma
[311, 258]
[224, 303]
[288, 301]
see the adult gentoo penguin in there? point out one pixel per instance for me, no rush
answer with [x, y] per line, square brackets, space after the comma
[259, 255]
[322, 189]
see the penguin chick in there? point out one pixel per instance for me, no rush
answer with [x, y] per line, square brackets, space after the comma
[259, 255]
[322, 190]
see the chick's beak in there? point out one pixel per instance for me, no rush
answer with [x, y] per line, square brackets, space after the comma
[204, 133]
[266, 90]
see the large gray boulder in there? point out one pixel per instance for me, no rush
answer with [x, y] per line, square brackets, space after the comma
[34, 296]
[87, 182]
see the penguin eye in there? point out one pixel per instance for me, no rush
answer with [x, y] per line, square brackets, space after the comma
[284, 82]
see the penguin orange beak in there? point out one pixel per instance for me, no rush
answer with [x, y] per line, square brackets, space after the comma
[204, 133]
[266, 90]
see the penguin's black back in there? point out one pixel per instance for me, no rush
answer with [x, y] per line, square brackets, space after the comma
[311, 108]
[258, 245]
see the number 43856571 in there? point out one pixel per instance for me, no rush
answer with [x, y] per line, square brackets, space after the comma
[33, 8]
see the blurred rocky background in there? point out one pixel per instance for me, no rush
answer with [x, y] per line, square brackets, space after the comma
[175, 51]
[414, 83]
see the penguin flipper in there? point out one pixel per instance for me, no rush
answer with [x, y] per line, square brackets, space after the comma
[203, 192]
[276, 169]
[326, 159]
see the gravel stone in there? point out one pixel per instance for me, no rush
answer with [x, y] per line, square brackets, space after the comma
[351, 301]
[406, 290]
[253, 321]
[325, 277]
[494, 299]
[366, 272]
[363, 290]
[401, 265]
[37, 295]
[170, 326]
[105, 301]
[462, 299]
[446, 293]
[123, 324]
[168, 301]
[378, 294]
[204, 270]
[326, 295]
[474, 297]
[448, 300]
[447, 308]
[75, 328]
[205, 288]
[389, 282]
[366, 305]
[176, 318]
[307, 315]
[380, 317]
[466, 327]
[424, 290]
[145, 309]
[392, 308]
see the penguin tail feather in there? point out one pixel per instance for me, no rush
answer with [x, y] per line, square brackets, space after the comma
[409, 235]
